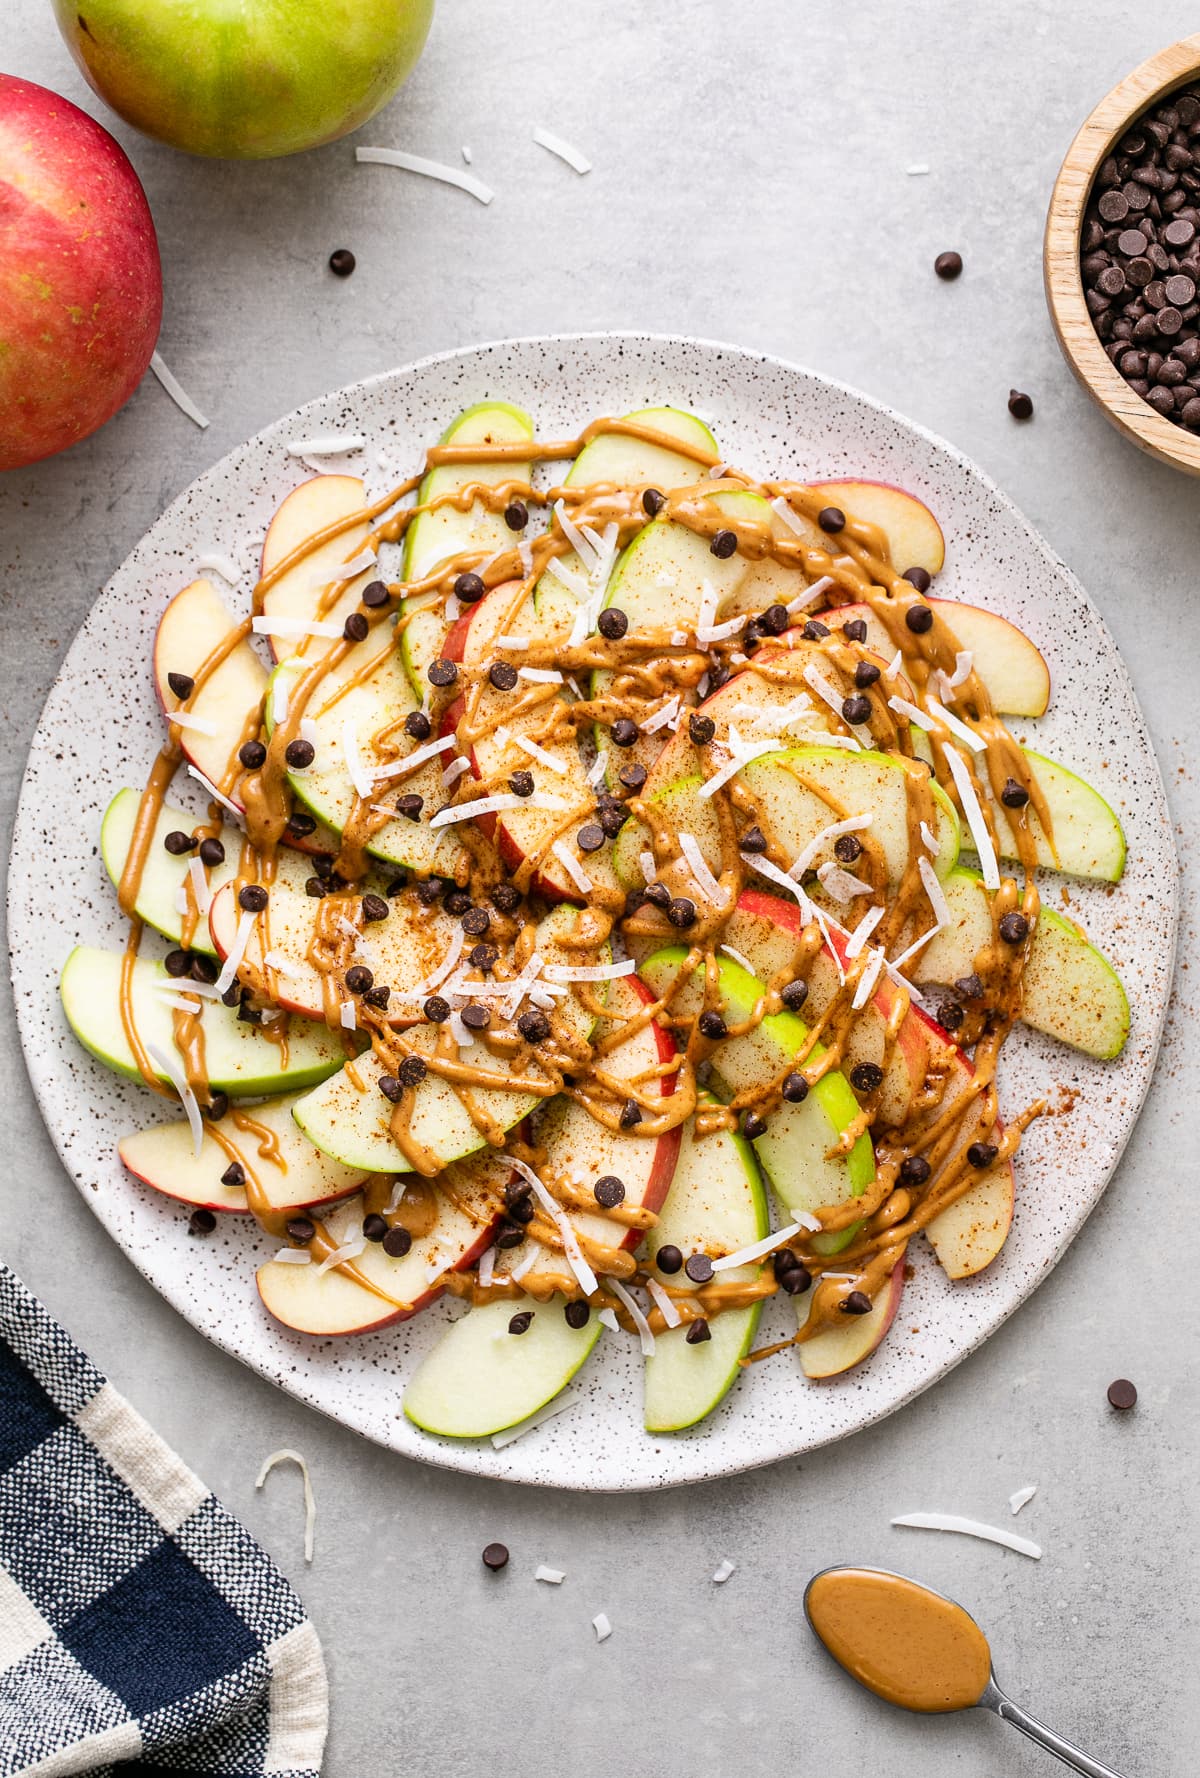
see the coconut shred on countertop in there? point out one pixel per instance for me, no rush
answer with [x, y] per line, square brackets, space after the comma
[563, 897]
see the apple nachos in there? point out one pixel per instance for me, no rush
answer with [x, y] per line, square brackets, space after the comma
[612, 921]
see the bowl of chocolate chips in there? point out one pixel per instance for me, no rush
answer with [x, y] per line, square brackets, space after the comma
[1122, 255]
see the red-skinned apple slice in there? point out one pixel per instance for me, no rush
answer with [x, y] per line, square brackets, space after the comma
[405, 948]
[291, 1174]
[843, 1346]
[914, 537]
[192, 626]
[315, 505]
[970, 1232]
[1013, 670]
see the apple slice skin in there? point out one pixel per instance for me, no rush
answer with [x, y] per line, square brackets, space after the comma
[914, 537]
[241, 1061]
[717, 1200]
[1012, 668]
[164, 874]
[619, 457]
[321, 501]
[194, 623]
[330, 1306]
[480, 1379]
[840, 1348]
[968, 1234]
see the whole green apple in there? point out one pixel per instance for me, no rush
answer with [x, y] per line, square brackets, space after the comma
[80, 287]
[245, 79]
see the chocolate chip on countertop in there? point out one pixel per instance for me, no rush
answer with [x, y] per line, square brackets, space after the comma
[1122, 1394]
[948, 266]
[1020, 405]
[342, 262]
[495, 1557]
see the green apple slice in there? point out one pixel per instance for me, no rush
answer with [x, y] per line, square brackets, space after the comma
[291, 1173]
[316, 504]
[164, 875]
[435, 536]
[716, 1205]
[371, 699]
[240, 1058]
[349, 1118]
[795, 1151]
[480, 1379]
[1087, 837]
[193, 625]
[635, 462]
[1070, 990]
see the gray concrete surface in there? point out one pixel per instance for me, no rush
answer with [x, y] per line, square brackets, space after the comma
[750, 185]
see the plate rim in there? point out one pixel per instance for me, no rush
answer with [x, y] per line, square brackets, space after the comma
[444, 1454]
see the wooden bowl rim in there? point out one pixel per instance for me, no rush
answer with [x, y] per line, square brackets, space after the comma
[1073, 325]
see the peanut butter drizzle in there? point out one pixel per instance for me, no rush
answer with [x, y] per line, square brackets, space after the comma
[641, 670]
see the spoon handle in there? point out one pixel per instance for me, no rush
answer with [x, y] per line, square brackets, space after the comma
[1007, 1711]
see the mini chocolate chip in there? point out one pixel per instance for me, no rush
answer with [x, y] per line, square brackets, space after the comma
[669, 1260]
[204, 969]
[1014, 929]
[375, 595]
[476, 921]
[795, 1089]
[711, 1025]
[753, 841]
[301, 1228]
[534, 1027]
[612, 624]
[374, 907]
[576, 1314]
[609, 1191]
[412, 1071]
[456, 902]
[301, 824]
[323, 865]
[969, 987]
[653, 502]
[856, 709]
[1014, 795]
[701, 729]
[356, 628]
[397, 1242]
[522, 1322]
[814, 630]
[1121, 1394]
[521, 783]
[314, 886]
[948, 266]
[698, 1331]
[1020, 405]
[855, 630]
[724, 544]
[378, 998]
[506, 898]
[919, 619]
[232, 995]
[177, 843]
[632, 778]
[865, 673]
[359, 978]
[831, 519]
[342, 262]
[182, 684]
[590, 838]
[950, 1015]
[436, 1010]
[516, 515]
[775, 619]
[495, 1557]
[754, 1125]
[847, 848]
[212, 852]
[795, 1280]
[914, 1170]
[919, 578]
[469, 589]
[624, 732]
[613, 820]
[374, 1226]
[177, 963]
[483, 957]
[428, 890]
[857, 1303]
[234, 1174]
[658, 895]
[510, 1236]
[217, 1107]
[866, 1077]
[631, 1115]
[418, 725]
[794, 994]
[201, 1222]
[252, 754]
[503, 675]
[476, 1018]
[682, 912]
[300, 754]
[982, 1154]
[442, 672]
[253, 898]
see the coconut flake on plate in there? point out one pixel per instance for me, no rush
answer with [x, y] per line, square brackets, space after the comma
[971, 1528]
[609, 1318]
[345, 571]
[742, 752]
[348, 1016]
[596, 769]
[862, 932]
[176, 391]
[662, 1300]
[572, 867]
[639, 1320]
[534, 751]
[326, 444]
[573, 581]
[214, 562]
[349, 1250]
[280, 964]
[591, 972]
[417, 163]
[310, 1505]
[568, 1399]
[756, 1250]
[647, 865]
[961, 773]
[181, 1003]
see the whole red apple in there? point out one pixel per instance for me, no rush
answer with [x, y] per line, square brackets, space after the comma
[80, 284]
[245, 79]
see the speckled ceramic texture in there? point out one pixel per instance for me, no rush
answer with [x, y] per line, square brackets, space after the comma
[101, 727]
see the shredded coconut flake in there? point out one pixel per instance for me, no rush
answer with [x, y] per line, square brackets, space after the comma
[185, 720]
[1021, 1498]
[609, 1318]
[843, 885]
[897, 963]
[280, 964]
[349, 1250]
[960, 772]
[721, 632]
[594, 972]
[458, 939]
[466, 154]
[741, 961]
[310, 1505]
[181, 1002]
[553, 1577]
[540, 675]
[663, 1303]
[851, 824]
[416, 758]
[566, 151]
[177, 392]
[569, 1399]
[902, 707]
[743, 752]
[947, 717]
[572, 867]
[535, 752]
[575, 1259]
[511, 641]
[494, 805]
[327, 444]
[723, 1573]
[701, 875]
[867, 980]
[237, 951]
[345, 571]
[934, 892]
[361, 775]
[639, 1320]
[646, 864]
[756, 1250]
[929, 839]
[971, 1528]
[213, 562]
[811, 592]
[596, 769]
[348, 1015]
[661, 716]
[217, 795]
[791, 519]
[291, 1256]
[964, 661]
[172, 1067]
[601, 1626]
[862, 932]
[200, 888]
[416, 163]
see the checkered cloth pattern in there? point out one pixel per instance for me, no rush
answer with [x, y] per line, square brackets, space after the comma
[142, 1629]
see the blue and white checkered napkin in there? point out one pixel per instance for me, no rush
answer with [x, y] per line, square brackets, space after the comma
[139, 1621]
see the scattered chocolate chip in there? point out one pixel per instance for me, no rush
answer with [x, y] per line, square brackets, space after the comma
[982, 1154]
[300, 754]
[919, 619]
[701, 729]
[516, 515]
[204, 969]
[658, 895]
[456, 901]
[754, 1125]
[576, 1314]
[506, 898]
[612, 624]
[866, 1077]
[409, 805]
[218, 1105]
[919, 578]
[609, 1191]
[534, 1027]
[970, 987]
[483, 957]
[1014, 929]
[429, 890]
[724, 545]
[631, 1115]
[950, 1015]
[201, 1222]
[856, 709]
[948, 266]
[814, 630]
[436, 1010]
[753, 841]
[711, 1025]
[857, 1303]
[613, 820]
[795, 1089]
[356, 628]
[855, 630]
[521, 783]
[234, 1174]
[314, 886]
[914, 1170]
[378, 998]
[522, 1322]
[301, 1228]
[503, 675]
[795, 1280]
[1020, 405]
[476, 1018]
[632, 778]
[669, 1260]
[831, 519]
[359, 978]
[253, 898]
[590, 838]
[177, 963]
[342, 262]
[698, 1331]
[682, 912]
[374, 907]
[510, 1236]
[653, 502]
[182, 684]
[375, 595]
[865, 673]
[1014, 795]
[1121, 1394]
[624, 732]
[374, 1226]
[418, 725]
[495, 1557]
[301, 824]
[476, 921]
[252, 754]
[442, 672]
[847, 848]
[177, 843]
[412, 1071]
[397, 1242]
[794, 994]
[212, 852]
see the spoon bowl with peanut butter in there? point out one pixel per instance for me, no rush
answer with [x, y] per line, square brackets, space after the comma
[920, 1651]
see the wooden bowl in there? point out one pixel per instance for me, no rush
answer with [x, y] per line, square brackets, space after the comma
[1082, 348]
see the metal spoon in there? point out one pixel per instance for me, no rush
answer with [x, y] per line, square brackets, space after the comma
[992, 1698]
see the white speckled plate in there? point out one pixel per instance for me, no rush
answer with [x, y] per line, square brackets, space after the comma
[101, 727]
